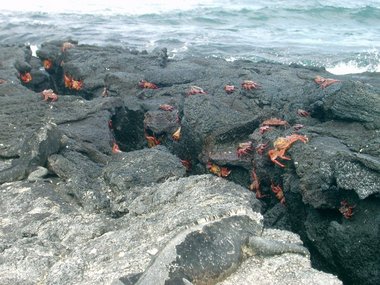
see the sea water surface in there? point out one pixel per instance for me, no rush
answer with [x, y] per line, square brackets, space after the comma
[341, 35]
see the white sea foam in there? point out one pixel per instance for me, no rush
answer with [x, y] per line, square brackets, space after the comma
[351, 67]
[135, 7]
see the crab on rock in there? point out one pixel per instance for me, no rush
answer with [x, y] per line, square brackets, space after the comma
[196, 90]
[49, 94]
[244, 148]
[277, 190]
[249, 85]
[281, 145]
[152, 140]
[177, 134]
[229, 89]
[274, 122]
[217, 170]
[166, 107]
[147, 85]
[324, 82]
[255, 185]
[26, 77]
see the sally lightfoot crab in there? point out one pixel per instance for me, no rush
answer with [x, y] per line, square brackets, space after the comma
[249, 85]
[147, 85]
[281, 145]
[244, 148]
[277, 190]
[325, 82]
[49, 94]
[196, 90]
[218, 170]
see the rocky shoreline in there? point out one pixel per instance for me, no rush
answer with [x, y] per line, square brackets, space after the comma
[138, 169]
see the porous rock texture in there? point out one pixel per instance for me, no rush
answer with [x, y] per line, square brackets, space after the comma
[75, 210]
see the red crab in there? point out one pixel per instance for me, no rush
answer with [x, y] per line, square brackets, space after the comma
[177, 134]
[229, 89]
[26, 77]
[249, 85]
[196, 90]
[325, 82]
[166, 107]
[115, 148]
[281, 145]
[255, 185]
[187, 164]
[264, 129]
[277, 190]
[147, 85]
[71, 83]
[66, 46]
[47, 63]
[297, 127]
[49, 94]
[152, 140]
[303, 113]
[217, 170]
[346, 209]
[274, 122]
[260, 148]
[244, 148]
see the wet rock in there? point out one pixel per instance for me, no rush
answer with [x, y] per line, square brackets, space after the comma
[355, 101]
[80, 209]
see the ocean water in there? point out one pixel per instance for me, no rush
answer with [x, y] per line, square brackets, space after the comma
[341, 35]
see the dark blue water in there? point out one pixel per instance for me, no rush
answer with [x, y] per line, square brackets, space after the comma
[343, 36]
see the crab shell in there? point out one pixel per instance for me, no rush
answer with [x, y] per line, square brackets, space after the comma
[25, 77]
[229, 89]
[47, 63]
[177, 134]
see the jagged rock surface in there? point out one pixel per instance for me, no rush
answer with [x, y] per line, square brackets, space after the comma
[89, 216]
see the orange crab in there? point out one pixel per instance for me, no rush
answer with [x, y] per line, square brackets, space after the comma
[49, 94]
[303, 113]
[71, 83]
[277, 190]
[217, 170]
[26, 77]
[255, 185]
[66, 46]
[229, 89]
[47, 63]
[274, 122]
[324, 82]
[187, 164]
[177, 134]
[264, 129]
[281, 145]
[244, 148]
[166, 107]
[196, 90]
[147, 85]
[249, 85]
[152, 140]
[346, 209]
[115, 148]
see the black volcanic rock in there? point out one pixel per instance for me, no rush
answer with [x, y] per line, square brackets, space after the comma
[77, 211]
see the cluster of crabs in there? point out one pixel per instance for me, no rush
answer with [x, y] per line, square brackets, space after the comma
[275, 154]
